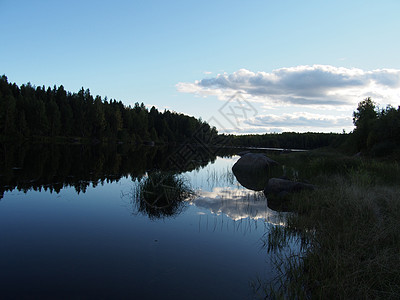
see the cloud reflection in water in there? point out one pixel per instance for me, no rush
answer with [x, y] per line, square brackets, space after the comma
[237, 204]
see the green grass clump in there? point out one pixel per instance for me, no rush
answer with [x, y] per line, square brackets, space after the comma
[161, 194]
[350, 232]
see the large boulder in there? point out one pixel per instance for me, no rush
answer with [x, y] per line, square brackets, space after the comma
[243, 153]
[253, 161]
[252, 170]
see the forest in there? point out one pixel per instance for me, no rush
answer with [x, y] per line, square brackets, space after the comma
[28, 112]
[288, 140]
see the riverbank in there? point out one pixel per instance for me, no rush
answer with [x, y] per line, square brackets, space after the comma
[348, 228]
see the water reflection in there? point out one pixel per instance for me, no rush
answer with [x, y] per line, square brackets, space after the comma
[237, 204]
[252, 180]
[84, 241]
[55, 166]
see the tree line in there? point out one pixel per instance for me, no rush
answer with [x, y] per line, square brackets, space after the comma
[28, 111]
[377, 130]
[287, 140]
[376, 133]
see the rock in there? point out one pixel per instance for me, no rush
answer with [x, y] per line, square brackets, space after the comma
[284, 187]
[279, 191]
[252, 170]
[243, 152]
[252, 180]
[250, 161]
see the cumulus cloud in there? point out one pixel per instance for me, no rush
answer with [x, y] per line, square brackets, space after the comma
[302, 85]
[291, 123]
[305, 120]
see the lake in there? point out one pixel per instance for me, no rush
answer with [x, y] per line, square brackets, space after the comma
[73, 224]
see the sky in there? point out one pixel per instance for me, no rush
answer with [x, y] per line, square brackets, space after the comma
[243, 66]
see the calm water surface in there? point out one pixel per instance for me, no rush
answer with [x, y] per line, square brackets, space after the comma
[92, 242]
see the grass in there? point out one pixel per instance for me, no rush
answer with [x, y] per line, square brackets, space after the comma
[349, 231]
[216, 177]
[161, 194]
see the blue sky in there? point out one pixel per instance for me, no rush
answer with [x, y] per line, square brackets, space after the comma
[246, 66]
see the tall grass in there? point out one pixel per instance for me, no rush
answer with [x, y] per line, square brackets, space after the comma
[161, 194]
[349, 230]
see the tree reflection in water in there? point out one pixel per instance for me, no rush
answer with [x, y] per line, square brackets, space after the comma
[52, 166]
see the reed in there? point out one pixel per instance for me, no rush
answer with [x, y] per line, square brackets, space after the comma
[162, 194]
[348, 233]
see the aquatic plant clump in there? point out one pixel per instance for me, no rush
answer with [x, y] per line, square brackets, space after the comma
[162, 194]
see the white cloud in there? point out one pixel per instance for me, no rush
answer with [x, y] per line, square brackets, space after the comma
[317, 85]
[304, 120]
[325, 95]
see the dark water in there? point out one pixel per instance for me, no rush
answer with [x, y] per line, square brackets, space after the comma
[71, 226]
